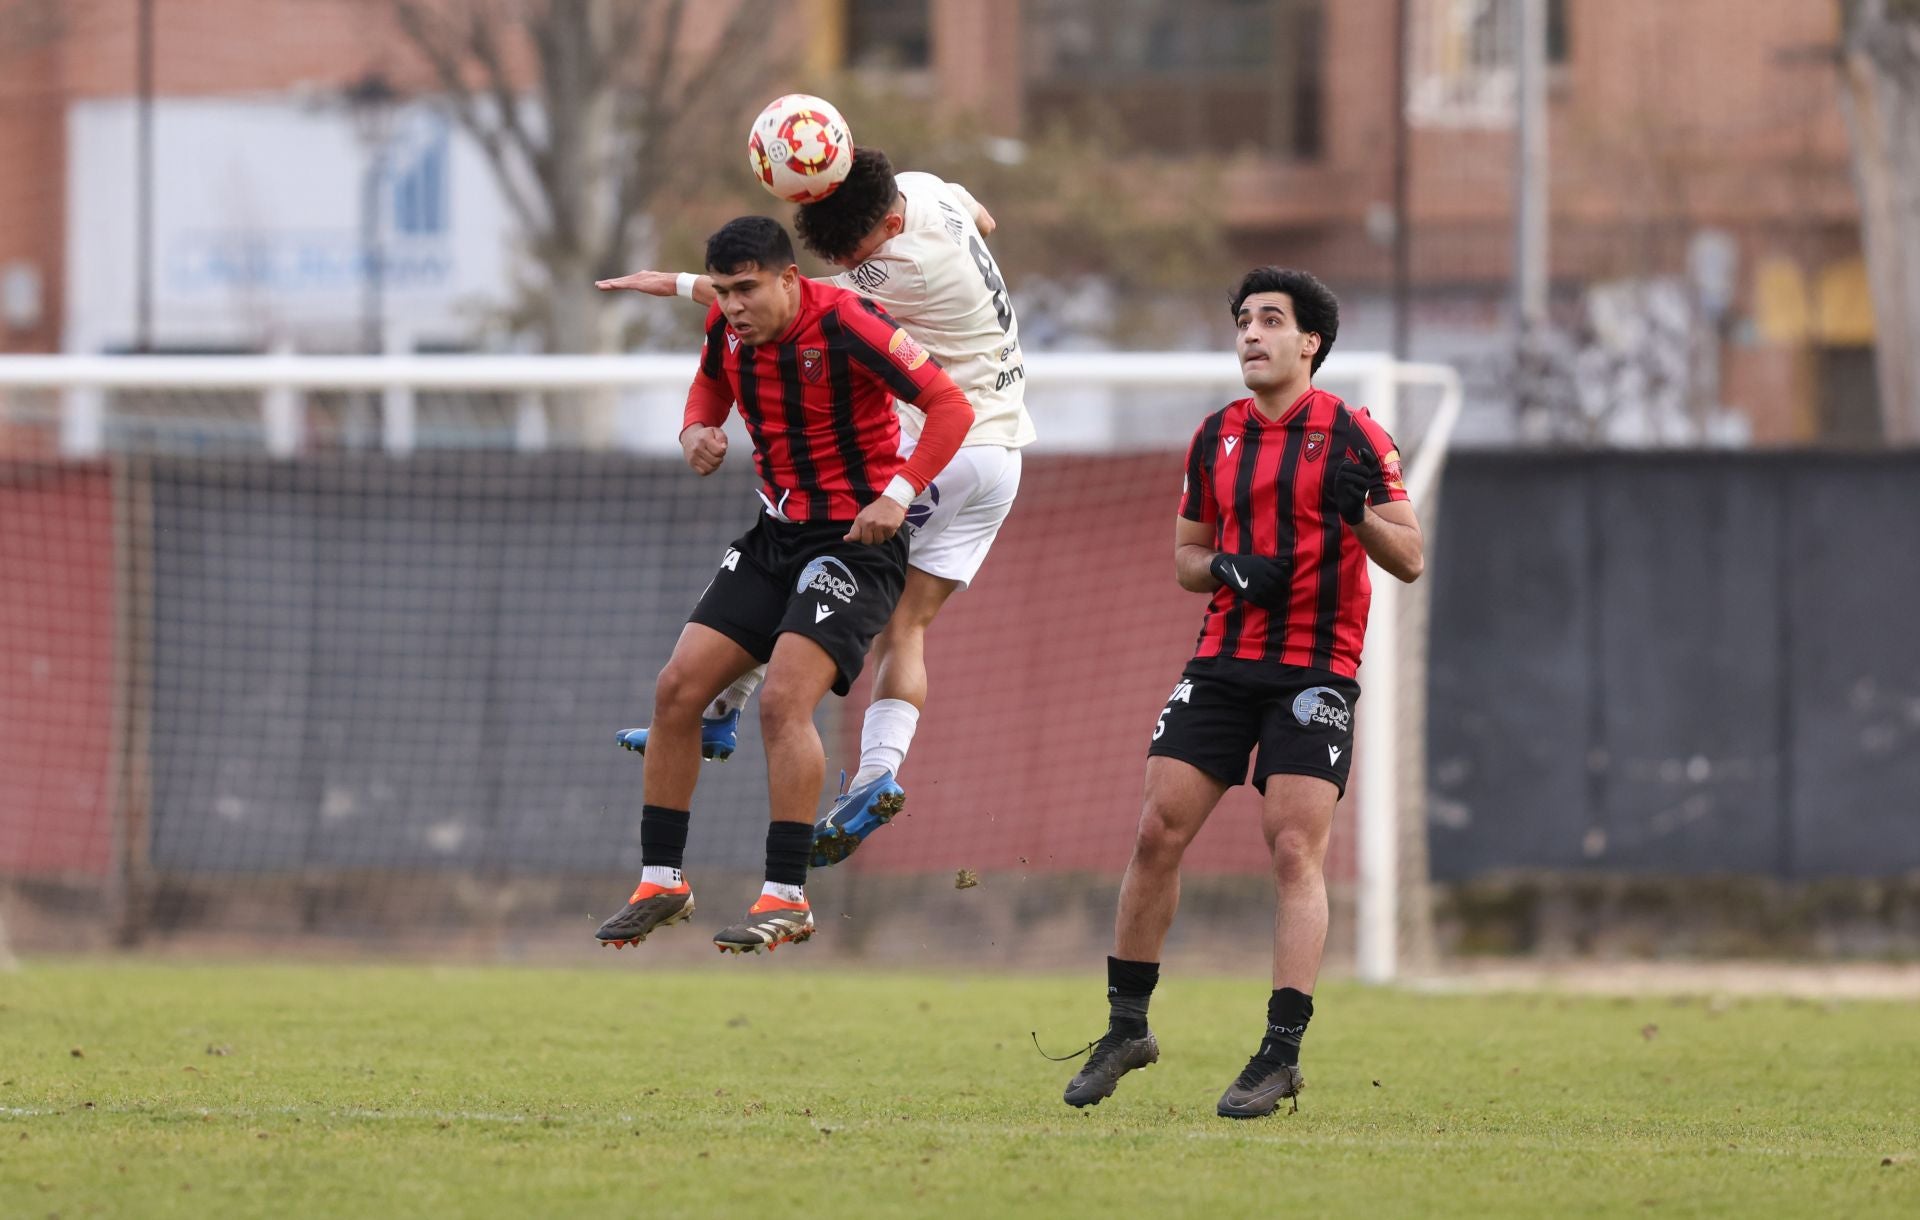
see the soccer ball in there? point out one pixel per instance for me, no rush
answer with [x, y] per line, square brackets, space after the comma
[799, 148]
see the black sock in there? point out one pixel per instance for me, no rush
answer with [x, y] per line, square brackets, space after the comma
[1288, 1012]
[1129, 988]
[663, 836]
[788, 846]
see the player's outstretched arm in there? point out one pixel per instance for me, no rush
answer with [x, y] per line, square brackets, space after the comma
[699, 288]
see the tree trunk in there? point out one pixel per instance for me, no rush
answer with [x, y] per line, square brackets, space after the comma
[1880, 94]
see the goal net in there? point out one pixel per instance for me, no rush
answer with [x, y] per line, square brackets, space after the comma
[337, 648]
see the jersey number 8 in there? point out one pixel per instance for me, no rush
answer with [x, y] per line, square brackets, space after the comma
[997, 286]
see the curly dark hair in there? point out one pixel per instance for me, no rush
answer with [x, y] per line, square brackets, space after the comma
[834, 227]
[745, 241]
[1315, 308]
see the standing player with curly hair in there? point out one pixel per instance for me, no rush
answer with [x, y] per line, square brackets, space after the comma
[915, 246]
[1288, 494]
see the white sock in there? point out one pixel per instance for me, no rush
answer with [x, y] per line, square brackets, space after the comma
[885, 737]
[785, 893]
[735, 697]
[660, 875]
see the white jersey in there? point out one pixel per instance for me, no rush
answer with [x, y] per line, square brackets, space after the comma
[937, 279]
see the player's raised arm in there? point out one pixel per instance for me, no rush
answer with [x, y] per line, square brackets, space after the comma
[1372, 500]
[696, 288]
[982, 219]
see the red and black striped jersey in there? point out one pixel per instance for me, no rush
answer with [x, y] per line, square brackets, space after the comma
[818, 401]
[1266, 486]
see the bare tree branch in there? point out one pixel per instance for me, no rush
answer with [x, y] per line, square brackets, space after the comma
[673, 87]
[644, 117]
[613, 111]
[439, 44]
[482, 40]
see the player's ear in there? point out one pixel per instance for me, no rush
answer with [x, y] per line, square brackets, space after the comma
[894, 222]
[789, 275]
[1312, 345]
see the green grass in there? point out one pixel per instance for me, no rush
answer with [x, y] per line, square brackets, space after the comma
[771, 1089]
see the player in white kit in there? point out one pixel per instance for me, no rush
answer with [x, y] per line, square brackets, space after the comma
[914, 245]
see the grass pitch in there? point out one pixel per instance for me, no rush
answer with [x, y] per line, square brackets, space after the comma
[768, 1089]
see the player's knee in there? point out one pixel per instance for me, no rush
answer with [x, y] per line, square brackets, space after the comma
[782, 709]
[1160, 839]
[676, 698]
[1297, 852]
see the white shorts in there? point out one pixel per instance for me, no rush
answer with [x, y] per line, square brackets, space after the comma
[953, 523]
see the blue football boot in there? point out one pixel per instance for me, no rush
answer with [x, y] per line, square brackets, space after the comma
[718, 738]
[856, 814]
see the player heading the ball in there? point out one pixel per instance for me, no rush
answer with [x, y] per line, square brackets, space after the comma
[814, 369]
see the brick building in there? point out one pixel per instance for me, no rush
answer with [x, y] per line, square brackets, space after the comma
[1668, 121]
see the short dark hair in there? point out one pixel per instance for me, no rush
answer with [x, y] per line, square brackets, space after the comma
[1315, 308]
[834, 227]
[749, 241]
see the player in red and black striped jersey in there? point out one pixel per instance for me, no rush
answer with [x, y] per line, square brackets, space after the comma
[815, 370]
[1288, 494]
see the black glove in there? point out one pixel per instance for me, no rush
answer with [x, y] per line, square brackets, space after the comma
[1351, 484]
[1255, 578]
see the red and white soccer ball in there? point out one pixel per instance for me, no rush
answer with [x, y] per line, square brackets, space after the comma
[799, 148]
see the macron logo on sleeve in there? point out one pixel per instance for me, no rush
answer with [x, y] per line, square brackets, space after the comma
[820, 613]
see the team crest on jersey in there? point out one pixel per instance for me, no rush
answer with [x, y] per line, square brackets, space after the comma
[868, 276]
[906, 351]
[1316, 445]
[812, 364]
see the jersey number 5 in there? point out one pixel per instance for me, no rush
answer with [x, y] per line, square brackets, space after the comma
[998, 287]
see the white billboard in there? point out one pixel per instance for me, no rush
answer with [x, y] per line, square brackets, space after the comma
[257, 227]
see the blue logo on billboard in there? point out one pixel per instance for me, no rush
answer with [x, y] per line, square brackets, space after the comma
[415, 222]
[418, 196]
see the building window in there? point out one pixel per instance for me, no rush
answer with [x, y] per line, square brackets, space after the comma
[890, 35]
[1202, 75]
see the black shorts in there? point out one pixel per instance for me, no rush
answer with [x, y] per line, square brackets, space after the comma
[1302, 720]
[804, 577]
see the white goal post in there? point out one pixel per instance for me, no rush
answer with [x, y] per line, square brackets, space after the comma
[1084, 402]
